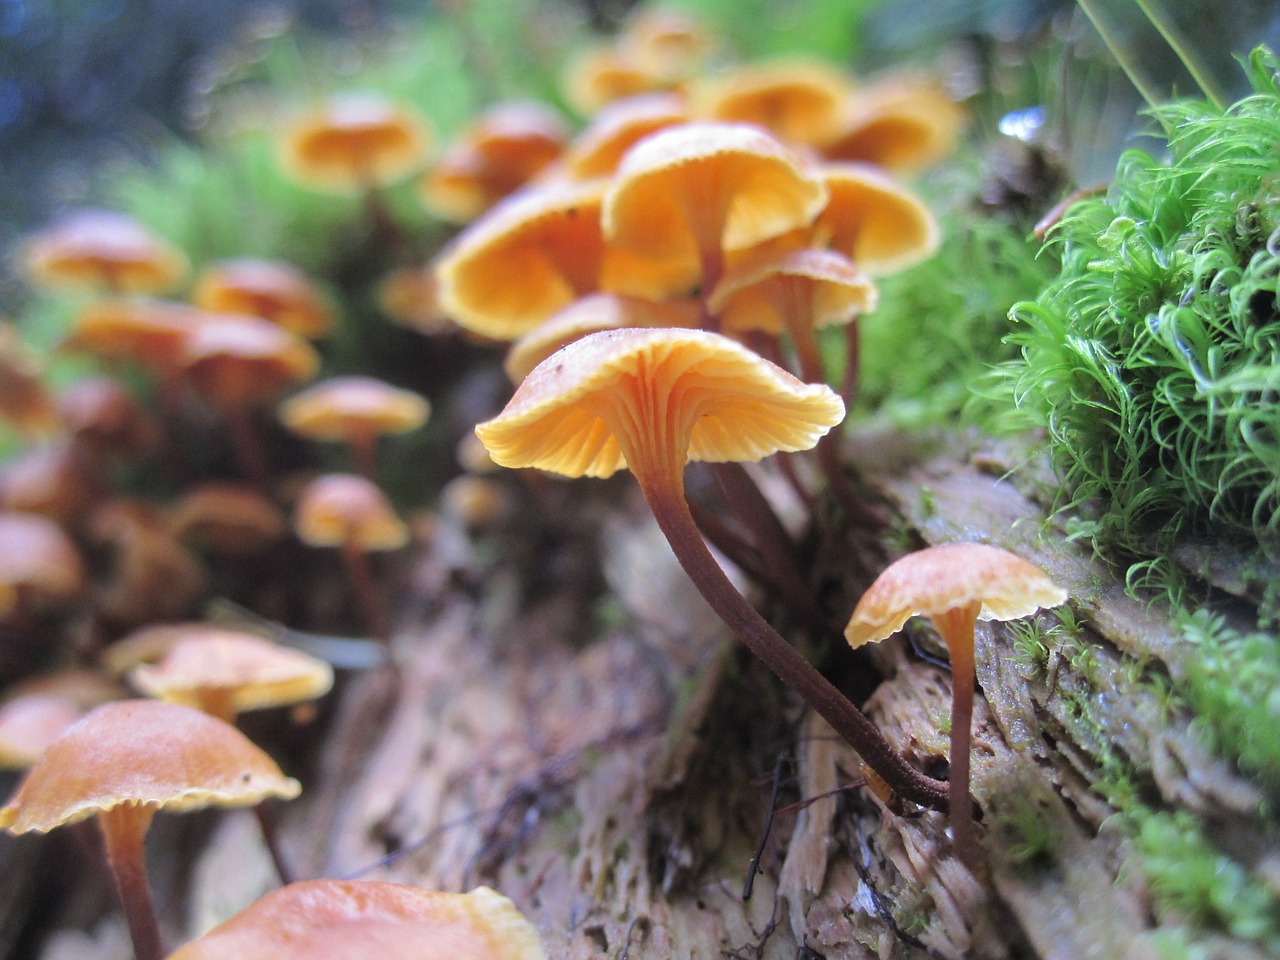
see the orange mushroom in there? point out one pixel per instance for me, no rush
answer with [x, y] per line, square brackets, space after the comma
[902, 125]
[121, 763]
[349, 512]
[411, 297]
[106, 250]
[651, 400]
[603, 74]
[954, 585]
[670, 42]
[29, 723]
[25, 402]
[270, 289]
[390, 921]
[356, 410]
[798, 101]
[232, 520]
[40, 568]
[597, 150]
[702, 189]
[500, 151]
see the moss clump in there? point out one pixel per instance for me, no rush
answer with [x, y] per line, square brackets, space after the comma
[1154, 357]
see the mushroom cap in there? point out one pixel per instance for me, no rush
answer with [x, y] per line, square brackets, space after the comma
[339, 507]
[735, 404]
[352, 141]
[899, 124]
[937, 579]
[342, 407]
[104, 249]
[873, 221]
[233, 519]
[59, 481]
[727, 184]
[38, 562]
[29, 723]
[270, 289]
[537, 252]
[143, 753]
[670, 42]
[798, 100]
[235, 359]
[591, 314]
[506, 146]
[149, 332]
[390, 921]
[25, 402]
[104, 418]
[832, 289]
[602, 74]
[252, 673]
[597, 150]
[411, 297]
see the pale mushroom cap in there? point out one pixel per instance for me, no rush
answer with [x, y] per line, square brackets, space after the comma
[597, 151]
[411, 297]
[389, 921]
[941, 578]
[341, 407]
[29, 723]
[270, 289]
[799, 101]
[37, 558]
[740, 406]
[591, 314]
[253, 673]
[338, 507]
[834, 288]
[232, 358]
[104, 248]
[728, 182]
[143, 752]
[352, 141]
[874, 221]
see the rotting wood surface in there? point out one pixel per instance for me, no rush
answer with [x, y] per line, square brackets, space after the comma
[613, 774]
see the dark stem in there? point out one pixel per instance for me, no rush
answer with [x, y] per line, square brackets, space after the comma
[373, 610]
[271, 838]
[246, 444]
[124, 828]
[666, 499]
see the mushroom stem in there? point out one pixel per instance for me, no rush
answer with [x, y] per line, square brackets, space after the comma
[363, 452]
[956, 627]
[247, 445]
[372, 609]
[664, 491]
[271, 839]
[124, 828]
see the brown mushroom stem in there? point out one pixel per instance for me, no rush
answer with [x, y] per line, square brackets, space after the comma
[956, 627]
[852, 361]
[364, 454]
[373, 611]
[271, 839]
[124, 828]
[246, 445]
[663, 488]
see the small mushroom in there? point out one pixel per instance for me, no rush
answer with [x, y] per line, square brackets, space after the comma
[40, 568]
[29, 723]
[270, 289]
[954, 585]
[900, 124]
[25, 402]
[355, 410]
[651, 400]
[59, 481]
[603, 74]
[411, 297]
[349, 512]
[124, 761]
[104, 420]
[231, 520]
[106, 250]
[597, 150]
[389, 921]
[797, 100]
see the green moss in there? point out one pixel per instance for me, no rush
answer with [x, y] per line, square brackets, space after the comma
[1153, 359]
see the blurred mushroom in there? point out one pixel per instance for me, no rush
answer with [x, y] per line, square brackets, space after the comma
[58, 481]
[501, 150]
[900, 124]
[652, 400]
[231, 520]
[410, 296]
[105, 421]
[122, 762]
[603, 74]
[355, 410]
[25, 402]
[350, 512]
[669, 41]
[270, 289]
[29, 723]
[106, 250]
[389, 921]
[954, 585]
[597, 150]
[797, 100]
[40, 568]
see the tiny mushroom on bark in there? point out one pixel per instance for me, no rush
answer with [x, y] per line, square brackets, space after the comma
[124, 761]
[652, 400]
[103, 249]
[350, 512]
[270, 289]
[356, 410]
[389, 921]
[954, 585]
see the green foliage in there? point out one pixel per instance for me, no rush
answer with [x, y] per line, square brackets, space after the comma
[761, 28]
[1154, 358]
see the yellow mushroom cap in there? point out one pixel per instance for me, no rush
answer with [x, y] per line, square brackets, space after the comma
[353, 141]
[338, 508]
[941, 578]
[734, 404]
[241, 671]
[149, 332]
[270, 289]
[799, 101]
[342, 407]
[828, 286]
[104, 249]
[142, 753]
[591, 314]
[602, 74]
[874, 221]
[708, 185]
[313, 919]
[902, 125]
[597, 151]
